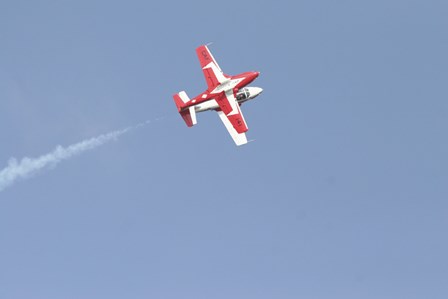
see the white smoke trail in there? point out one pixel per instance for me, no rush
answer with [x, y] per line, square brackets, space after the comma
[28, 167]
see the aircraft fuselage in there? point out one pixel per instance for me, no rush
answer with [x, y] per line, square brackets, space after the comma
[243, 95]
[234, 83]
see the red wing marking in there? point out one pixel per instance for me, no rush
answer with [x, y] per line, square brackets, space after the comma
[231, 110]
[223, 103]
[238, 122]
[212, 72]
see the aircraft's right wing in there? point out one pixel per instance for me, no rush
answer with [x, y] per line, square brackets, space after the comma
[212, 72]
[234, 121]
[239, 138]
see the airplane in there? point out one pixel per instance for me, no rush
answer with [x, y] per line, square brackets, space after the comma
[224, 94]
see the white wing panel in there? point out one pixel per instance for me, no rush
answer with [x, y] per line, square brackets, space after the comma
[239, 138]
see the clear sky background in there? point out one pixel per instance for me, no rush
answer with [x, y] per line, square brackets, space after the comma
[342, 195]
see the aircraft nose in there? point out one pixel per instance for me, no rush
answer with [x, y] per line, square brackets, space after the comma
[257, 90]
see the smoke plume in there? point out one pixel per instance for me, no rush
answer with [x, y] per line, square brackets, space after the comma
[28, 167]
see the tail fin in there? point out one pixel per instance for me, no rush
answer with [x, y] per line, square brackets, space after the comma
[188, 113]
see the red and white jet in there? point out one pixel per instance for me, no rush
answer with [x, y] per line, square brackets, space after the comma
[224, 94]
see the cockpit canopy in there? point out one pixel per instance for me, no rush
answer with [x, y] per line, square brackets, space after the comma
[243, 94]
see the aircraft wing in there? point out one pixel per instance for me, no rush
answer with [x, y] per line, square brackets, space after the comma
[212, 72]
[233, 121]
[239, 138]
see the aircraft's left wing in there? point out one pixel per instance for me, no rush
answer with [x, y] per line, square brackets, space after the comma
[233, 121]
[212, 72]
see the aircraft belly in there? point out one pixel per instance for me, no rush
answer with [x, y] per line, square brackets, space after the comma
[209, 105]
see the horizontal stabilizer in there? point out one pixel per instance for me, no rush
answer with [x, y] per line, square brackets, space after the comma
[193, 115]
[181, 100]
[186, 115]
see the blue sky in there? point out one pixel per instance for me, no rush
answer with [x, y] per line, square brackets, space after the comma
[343, 194]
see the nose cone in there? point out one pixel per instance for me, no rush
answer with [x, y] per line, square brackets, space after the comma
[256, 91]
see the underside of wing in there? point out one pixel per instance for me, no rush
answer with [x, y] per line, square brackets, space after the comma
[228, 104]
[232, 117]
[212, 72]
[238, 138]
